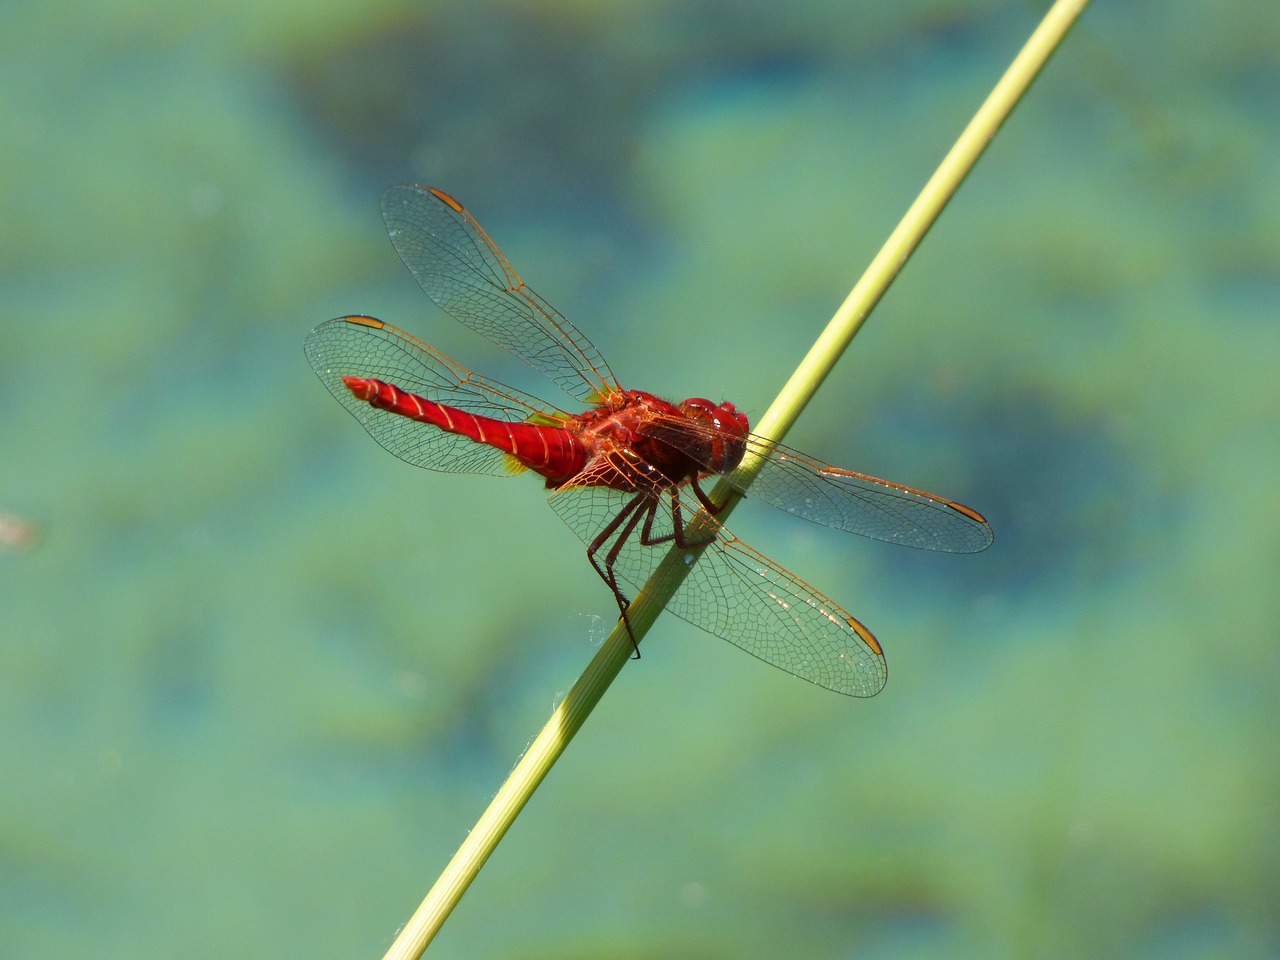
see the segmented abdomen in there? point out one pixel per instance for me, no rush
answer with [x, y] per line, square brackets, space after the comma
[553, 452]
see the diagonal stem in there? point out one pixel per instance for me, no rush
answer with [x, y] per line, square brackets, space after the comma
[569, 717]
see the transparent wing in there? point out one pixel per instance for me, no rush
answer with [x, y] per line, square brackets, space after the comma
[742, 596]
[806, 487]
[879, 509]
[460, 268]
[364, 347]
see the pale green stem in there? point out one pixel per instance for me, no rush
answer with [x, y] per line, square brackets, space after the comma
[617, 648]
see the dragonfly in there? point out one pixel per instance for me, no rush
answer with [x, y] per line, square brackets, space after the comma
[627, 473]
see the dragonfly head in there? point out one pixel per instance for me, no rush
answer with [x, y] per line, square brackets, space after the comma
[729, 427]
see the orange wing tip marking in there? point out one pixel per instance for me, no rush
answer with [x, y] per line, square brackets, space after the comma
[446, 199]
[366, 321]
[866, 635]
[968, 512]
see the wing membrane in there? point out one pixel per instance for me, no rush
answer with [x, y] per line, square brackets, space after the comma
[462, 270]
[880, 509]
[363, 347]
[741, 596]
[806, 487]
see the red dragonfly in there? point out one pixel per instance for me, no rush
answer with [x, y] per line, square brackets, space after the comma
[626, 474]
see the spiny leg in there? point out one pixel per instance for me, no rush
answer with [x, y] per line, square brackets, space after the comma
[708, 504]
[644, 506]
[641, 505]
[677, 524]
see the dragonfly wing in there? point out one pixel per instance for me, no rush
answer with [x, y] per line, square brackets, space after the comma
[879, 509]
[742, 596]
[460, 268]
[806, 487]
[363, 347]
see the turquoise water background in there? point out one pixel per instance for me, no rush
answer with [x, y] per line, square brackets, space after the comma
[258, 678]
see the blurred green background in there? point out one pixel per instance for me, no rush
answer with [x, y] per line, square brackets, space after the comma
[258, 678]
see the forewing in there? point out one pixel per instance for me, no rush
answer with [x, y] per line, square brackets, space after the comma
[463, 271]
[364, 347]
[742, 596]
[880, 509]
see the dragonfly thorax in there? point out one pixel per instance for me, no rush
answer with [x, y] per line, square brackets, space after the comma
[670, 443]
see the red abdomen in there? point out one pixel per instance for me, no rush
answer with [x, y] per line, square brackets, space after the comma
[553, 452]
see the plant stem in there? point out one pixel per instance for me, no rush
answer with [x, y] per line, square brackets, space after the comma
[569, 717]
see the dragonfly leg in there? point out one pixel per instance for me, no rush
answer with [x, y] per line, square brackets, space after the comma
[642, 511]
[677, 524]
[708, 504]
[623, 524]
